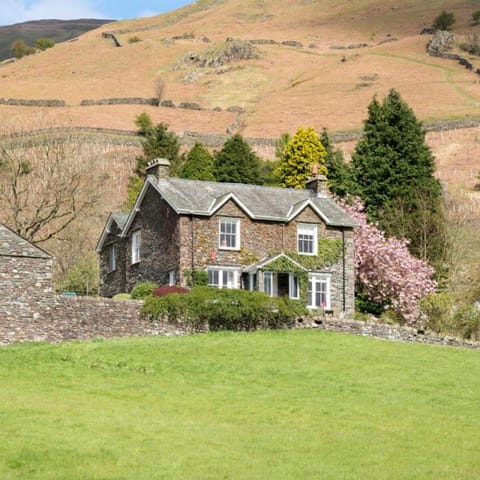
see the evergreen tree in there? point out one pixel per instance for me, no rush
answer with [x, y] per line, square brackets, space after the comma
[303, 151]
[339, 175]
[198, 164]
[157, 142]
[236, 162]
[392, 170]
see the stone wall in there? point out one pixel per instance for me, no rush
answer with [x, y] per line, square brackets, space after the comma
[65, 319]
[384, 331]
[59, 319]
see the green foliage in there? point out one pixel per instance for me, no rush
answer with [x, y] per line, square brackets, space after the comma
[196, 278]
[476, 17]
[21, 49]
[268, 176]
[83, 278]
[134, 39]
[236, 162]
[339, 174]
[444, 21]
[143, 290]
[280, 145]
[446, 314]
[225, 309]
[303, 151]
[122, 296]
[329, 252]
[393, 173]
[157, 142]
[198, 164]
[144, 123]
[43, 43]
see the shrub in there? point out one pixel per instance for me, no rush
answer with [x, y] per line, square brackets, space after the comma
[142, 290]
[166, 289]
[134, 39]
[196, 278]
[44, 43]
[224, 309]
[122, 296]
[476, 17]
[444, 21]
[21, 49]
[471, 44]
[437, 311]
[466, 322]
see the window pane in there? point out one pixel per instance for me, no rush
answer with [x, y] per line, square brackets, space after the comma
[228, 233]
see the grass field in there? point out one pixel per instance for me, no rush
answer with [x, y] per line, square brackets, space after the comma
[266, 405]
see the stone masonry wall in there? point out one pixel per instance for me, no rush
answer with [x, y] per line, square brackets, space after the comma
[24, 284]
[58, 319]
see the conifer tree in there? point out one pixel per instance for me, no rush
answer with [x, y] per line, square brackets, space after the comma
[198, 164]
[236, 162]
[339, 175]
[157, 142]
[393, 173]
[301, 152]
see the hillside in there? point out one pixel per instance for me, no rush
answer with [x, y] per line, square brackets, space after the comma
[57, 30]
[317, 62]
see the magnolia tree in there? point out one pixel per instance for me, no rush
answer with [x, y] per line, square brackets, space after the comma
[386, 270]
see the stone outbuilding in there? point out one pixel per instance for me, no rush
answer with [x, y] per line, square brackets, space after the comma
[25, 276]
[284, 242]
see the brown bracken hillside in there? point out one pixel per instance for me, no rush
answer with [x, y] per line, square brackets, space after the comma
[316, 62]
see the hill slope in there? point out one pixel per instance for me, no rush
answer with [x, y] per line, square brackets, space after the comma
[57, 30]
[319, 63]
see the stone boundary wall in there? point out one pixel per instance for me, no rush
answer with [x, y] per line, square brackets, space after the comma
[122, 101]
[112, 37]
[82, 318]
[188, 138]
[32, 103]
[461, 60]
[59, 319]
[389, 332]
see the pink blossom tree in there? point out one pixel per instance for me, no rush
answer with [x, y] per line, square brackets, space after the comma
[386, 270]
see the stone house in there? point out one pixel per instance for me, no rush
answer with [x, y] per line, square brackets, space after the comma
[25, 276]
[280, 241]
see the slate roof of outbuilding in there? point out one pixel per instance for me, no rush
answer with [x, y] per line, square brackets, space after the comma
[12, 245]
[261, 203]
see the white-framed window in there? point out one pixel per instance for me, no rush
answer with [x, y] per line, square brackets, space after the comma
[171, 277]
[318, 291]
[294, 291]
[223, 277]
[229, 233]
[268, 283]
[307, 238]
[136, 245]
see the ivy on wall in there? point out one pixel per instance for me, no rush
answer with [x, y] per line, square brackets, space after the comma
[329, 252]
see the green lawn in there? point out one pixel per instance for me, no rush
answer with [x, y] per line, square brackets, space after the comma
[265, 405]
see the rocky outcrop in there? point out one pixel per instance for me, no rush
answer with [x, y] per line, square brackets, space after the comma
[440, 43]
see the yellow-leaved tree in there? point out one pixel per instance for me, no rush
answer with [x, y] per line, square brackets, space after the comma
[301, 152]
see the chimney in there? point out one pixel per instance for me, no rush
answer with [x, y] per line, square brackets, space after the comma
[317, 183]
[159, 167]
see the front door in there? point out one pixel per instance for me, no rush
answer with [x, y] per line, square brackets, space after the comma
[283, 284]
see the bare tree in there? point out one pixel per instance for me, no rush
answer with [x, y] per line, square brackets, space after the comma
[159, 88]
[46, 183]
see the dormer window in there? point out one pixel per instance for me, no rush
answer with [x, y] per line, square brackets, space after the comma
[136, 243]
[307, 238]
[229, 234]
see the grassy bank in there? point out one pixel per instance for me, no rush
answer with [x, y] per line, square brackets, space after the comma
[279, 405]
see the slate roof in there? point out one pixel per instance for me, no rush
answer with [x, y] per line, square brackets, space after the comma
[261, 203]
[12, 245]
